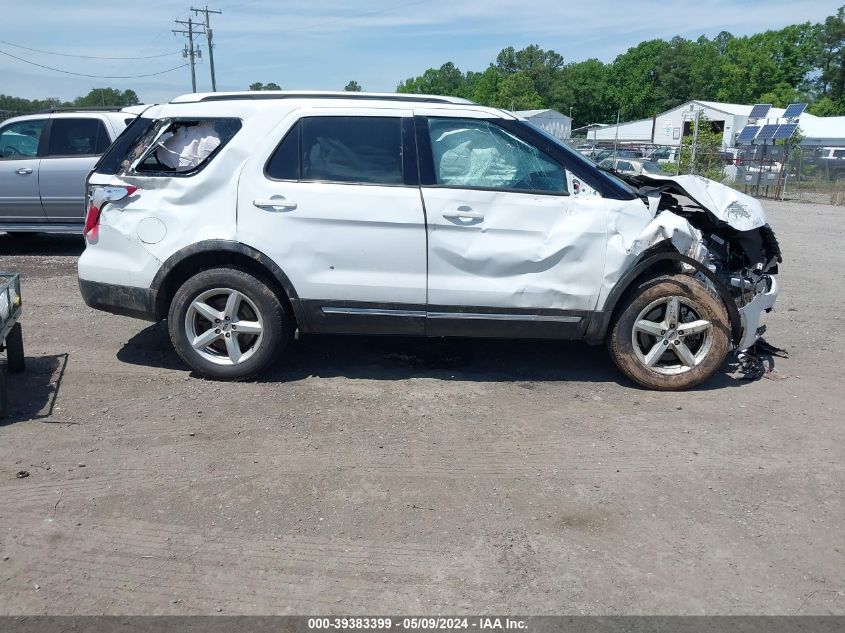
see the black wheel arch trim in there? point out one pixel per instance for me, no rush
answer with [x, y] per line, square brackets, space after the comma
[229, 246]
[601, 321]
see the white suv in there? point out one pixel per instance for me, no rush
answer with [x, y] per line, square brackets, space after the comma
[242, 217]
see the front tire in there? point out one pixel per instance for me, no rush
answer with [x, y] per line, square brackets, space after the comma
[227, 324]
[671, 334]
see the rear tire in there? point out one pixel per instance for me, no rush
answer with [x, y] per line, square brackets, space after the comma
[228, 325]
[649, 342]
[14, 349]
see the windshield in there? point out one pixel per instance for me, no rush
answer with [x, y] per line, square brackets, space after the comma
[652, 168]
[578, 157]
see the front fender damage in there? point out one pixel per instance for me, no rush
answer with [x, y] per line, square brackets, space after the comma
[722, 229]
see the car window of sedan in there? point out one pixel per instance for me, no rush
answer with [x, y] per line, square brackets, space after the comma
[77, 137]
[20, 140]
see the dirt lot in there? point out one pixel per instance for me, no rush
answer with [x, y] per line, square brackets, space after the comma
[404, 476]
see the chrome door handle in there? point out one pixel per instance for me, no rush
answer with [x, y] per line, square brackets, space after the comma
[273, 204]
[23, 171]
[458, 214]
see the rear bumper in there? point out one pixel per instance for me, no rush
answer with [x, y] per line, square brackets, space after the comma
[128, 301]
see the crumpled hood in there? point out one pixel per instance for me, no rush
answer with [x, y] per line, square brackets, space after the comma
[728, 205]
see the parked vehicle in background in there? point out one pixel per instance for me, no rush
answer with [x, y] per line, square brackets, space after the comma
[832, 161]
[631, 167]
[664, 155]
[602, 154]
[44, 159]
[243, 217]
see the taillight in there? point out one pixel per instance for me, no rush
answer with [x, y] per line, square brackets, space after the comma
[98, 197]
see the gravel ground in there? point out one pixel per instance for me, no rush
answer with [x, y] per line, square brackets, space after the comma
[373, 475]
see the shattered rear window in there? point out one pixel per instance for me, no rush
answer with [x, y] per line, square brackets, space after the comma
[168, 147]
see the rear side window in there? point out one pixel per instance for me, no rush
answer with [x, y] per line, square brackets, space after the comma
[168, 147]
[77, 137]
[342, 149]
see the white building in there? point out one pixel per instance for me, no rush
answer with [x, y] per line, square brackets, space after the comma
[729, 118]
[631, 132]
[557, 124]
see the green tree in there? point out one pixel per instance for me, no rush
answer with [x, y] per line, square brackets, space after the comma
[540, 66]
[260, 86]
[516, 92]
[831, 56]
[107, 97]
[585, 87]
[707, 161]
[353, 86]
[447, 80]
[634, 80]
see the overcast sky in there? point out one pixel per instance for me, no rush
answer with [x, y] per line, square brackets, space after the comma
[322, 44]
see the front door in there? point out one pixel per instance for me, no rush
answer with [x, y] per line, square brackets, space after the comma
[511, 251]
[333, 198]
[19, 163]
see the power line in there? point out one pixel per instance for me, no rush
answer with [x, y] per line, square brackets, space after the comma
[209, 36]
[191, 51]
[68, 72]
[38, 50]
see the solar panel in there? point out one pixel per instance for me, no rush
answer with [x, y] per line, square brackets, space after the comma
[760, 110]
[785, 131]
[794, 110]
[748, 133]
[767, 132]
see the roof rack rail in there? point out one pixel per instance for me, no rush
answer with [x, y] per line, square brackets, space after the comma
[260, 95]
[81, 109]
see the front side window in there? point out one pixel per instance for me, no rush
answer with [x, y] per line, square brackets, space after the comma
[475, 153]
[77, 137]
[20, 140]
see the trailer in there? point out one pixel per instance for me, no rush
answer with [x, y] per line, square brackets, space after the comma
[11, 333]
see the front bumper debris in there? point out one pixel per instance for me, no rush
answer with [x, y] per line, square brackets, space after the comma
[751, 313]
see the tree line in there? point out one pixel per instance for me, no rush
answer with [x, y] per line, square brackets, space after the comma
[801, 62]
[97, 98]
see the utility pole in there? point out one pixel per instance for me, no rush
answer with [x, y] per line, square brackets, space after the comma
[209, 36]
[190, 50]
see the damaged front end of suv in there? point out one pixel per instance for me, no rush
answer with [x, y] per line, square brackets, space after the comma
[721, 237]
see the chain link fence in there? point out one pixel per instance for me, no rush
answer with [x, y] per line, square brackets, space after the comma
[805, 174]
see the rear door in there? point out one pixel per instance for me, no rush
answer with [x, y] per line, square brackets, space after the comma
[74, 144]
[511, 251]
[19, 166]
[334, 199]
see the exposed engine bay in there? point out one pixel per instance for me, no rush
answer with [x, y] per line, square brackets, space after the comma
[741, 248]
